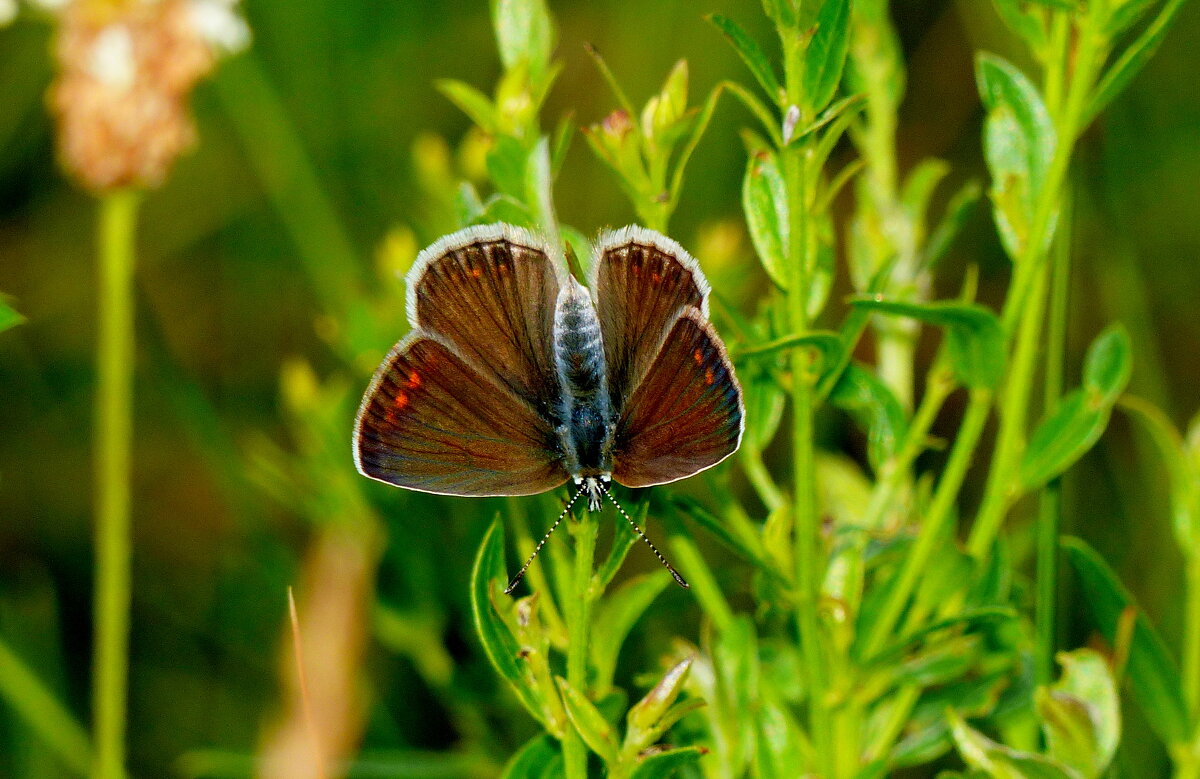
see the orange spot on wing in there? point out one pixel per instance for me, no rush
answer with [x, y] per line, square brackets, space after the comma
[414, 379]
[502, 267]
[698, 356]
[655, 277]
[401, 400]
[476, 273]
[708, 376]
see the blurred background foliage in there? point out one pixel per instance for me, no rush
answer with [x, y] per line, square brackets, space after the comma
[266, 293]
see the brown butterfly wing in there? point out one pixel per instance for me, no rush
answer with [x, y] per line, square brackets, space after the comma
[431, 422]
[489, 291]
[643, 282]
[685, 415]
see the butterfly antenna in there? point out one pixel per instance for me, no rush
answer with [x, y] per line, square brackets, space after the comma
[512, 584]
[642, 535]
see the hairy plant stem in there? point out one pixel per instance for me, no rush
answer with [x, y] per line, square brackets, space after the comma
[806, 522]
[579, 616]
[113, 442]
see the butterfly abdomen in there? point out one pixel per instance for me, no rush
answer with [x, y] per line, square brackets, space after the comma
[579, 358]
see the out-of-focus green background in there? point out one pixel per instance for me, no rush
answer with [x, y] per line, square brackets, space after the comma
[321, 133]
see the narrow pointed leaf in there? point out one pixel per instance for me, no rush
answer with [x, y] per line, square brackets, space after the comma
[826, 55]
[1152, 672]
[487, 578]
[596, 731]
[471, 101]
[752, 54]
[1132, 60]
[974, 336]
[1183, 474]
[662, 765]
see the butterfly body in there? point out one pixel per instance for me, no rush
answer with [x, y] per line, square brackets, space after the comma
[516, 378]
[587, 428]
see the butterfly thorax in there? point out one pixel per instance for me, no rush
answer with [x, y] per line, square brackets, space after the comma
[586, 409]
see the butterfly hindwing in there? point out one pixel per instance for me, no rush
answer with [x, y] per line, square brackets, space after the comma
[685, 415]
[431, 422]
[643, 282]
[489, 291]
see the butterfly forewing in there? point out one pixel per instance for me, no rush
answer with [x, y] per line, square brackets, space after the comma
[685, 415]
[490, 293]
[432, 422]
[643, 282]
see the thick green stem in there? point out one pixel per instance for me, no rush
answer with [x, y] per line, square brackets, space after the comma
[113, 432]
[806, 522]
[575, 753]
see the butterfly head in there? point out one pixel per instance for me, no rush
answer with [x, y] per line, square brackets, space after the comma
[595, 487]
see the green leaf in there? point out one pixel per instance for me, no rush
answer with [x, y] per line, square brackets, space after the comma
[782, 751]
[1001, 762]
[524, 33]
[1081, 416]
[1131, 61]
[540, 758]
[1183, 473]
[9, 317]
[974, 336]
[1081, 714]
[617, 614]
[1019, 142]
[752, 54]
[644, 716]
[1028, 24]
[958, 211]
[471, 101]
[661, 765]
[488, 577]
[875, 407]
[1108, 364]
[765, 204]
[826, 54]
[1059, 440]
[595, 731]
[1151, 670]
[781, 12]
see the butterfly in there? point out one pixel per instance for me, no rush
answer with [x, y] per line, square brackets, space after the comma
[516, 379]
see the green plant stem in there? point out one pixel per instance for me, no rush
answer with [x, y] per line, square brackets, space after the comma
[760, 478]
[1011, 438]
[806, 523]
[579, 622]
[1191, 638]
[1050, 500]
[934, 527]
[43, 713]
[113, 431]
[1026, 299]
[895, 472]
